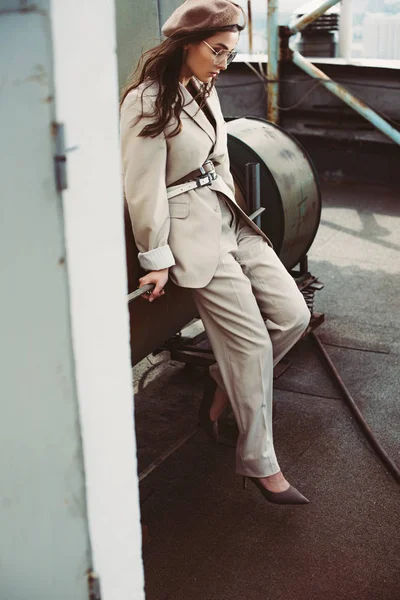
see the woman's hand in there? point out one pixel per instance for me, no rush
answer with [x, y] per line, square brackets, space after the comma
[159, 278]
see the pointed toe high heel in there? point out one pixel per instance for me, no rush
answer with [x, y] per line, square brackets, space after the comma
[209, 426]
[289, 496]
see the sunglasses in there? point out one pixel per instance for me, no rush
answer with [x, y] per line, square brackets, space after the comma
[222, 55]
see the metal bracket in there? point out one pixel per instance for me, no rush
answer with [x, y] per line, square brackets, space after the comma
[140, 291]
[253, 191]
[60, 158]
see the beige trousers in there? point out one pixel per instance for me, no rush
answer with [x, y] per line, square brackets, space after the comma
[253, 313]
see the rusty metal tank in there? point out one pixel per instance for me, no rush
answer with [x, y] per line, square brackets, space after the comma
[291, 197]
[289, 185]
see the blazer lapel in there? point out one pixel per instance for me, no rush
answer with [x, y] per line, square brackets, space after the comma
[213, 107]
[192, 109]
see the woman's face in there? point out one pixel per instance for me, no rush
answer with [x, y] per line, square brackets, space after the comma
[200, 59]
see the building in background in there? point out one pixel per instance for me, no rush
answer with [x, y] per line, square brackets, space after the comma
[375, 31]
[381, 36]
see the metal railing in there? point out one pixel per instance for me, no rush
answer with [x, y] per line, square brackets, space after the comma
[306, 65]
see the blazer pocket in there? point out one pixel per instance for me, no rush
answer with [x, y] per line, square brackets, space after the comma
[178, 210]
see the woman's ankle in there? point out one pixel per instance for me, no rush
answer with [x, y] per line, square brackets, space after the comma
[276, 482]
[220, 401]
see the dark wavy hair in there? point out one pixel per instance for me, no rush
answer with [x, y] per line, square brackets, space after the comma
[163, 64]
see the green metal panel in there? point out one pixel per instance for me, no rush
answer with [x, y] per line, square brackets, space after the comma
[167, 7]
[44, 543]
[138, 29]
[10, 5]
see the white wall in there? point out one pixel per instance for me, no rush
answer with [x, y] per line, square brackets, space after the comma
[44, 543]
[86, 93]
[382, 36]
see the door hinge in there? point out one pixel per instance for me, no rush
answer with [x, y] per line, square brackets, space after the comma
[93, 585]
[60, 158]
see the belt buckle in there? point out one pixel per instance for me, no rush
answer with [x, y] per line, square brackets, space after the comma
[203, 180]
[206, 179]
[207, 165]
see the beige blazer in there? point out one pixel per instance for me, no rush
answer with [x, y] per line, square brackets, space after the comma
[182, 233]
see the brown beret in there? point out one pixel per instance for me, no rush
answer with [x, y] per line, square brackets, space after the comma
[199, 15]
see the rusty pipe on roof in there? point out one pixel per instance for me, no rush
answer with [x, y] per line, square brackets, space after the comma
[250, 26]
[305, 20]
[355, 103]
[357, 414]
[273, 62]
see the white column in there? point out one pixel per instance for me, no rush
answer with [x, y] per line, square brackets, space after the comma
[86, 94]
[345, 29]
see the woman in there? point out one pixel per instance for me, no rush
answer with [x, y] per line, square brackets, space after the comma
[187, 226]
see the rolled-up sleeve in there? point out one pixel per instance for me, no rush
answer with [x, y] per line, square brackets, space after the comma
[144, 162]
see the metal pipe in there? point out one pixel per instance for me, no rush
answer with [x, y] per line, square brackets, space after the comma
[310, 17]
[257, 213]
[250, 26]
[345, 29]
[366, 430]
[339, 91]
[140, 291]
[163, 457]
[253, 191]
[273, 62]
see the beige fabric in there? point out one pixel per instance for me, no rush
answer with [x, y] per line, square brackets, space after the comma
[200, 15]
[240, 284]
[253, 314]
[185, 230]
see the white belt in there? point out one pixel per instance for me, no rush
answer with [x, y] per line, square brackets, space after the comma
[206, 179]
